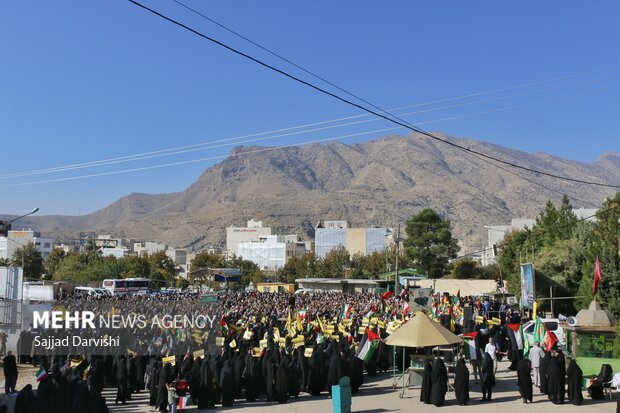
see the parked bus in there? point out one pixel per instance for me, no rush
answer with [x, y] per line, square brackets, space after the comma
[126, 286]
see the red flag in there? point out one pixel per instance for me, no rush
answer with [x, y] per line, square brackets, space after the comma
[597, 275]
[387, 295]
[372, 335]
[550, 340]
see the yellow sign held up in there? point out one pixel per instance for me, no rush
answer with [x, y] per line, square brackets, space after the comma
[219, 341]
[308, 352]
[169, 359]
[199, 353]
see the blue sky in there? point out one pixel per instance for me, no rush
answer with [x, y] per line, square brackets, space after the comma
[84, 81]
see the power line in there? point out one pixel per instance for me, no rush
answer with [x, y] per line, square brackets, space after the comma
[139, 169]
[397, 120]
[237, 140]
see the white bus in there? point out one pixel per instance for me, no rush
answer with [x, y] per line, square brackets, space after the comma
[126, 286]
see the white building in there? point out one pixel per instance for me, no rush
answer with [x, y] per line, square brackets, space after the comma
[271, 252]
[18, 239]
[252, 232]
[148, 247]
[329, 235]
[118, 252]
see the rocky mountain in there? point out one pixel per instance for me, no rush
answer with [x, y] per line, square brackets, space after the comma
[377, 183]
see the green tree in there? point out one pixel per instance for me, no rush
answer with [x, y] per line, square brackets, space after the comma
[292, 269]
[374, 264]
[30, 259]
[135, 266]
[208, 260]
[162, 269]
[464, 269]
[606, 237]
[5, 262]
[429, 243]
[54, 259]
[336, 262]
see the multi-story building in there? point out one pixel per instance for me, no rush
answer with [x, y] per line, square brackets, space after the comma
[148, 247]
[18, 239]
[329, 235]
[271, 252]
[252, 232]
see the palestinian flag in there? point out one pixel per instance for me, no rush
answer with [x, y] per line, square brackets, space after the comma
[370, 345]
[224, 326]
[41, 374]
[469, 346]
[302, 313]
[518, 332]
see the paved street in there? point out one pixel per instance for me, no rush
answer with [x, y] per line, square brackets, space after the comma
[379, 396]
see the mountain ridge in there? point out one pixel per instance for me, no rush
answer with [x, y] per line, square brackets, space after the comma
[376, 183]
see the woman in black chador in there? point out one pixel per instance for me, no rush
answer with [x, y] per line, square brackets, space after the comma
[575, 380]
[427, 384]
[524, 380]
[487, 377]
[227, 384]
[542, 372]
[439, 378]
[461, 382]
[556, 379]
[162, 389]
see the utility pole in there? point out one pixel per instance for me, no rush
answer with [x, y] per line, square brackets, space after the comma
[397, 255]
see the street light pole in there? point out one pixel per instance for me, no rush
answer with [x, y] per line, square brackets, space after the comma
[34, 211]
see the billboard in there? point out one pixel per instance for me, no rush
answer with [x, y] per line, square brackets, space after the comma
[527, 286]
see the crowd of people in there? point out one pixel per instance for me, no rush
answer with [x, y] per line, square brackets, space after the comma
[275, 346]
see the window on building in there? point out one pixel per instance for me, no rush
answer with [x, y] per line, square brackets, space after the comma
[47, 245]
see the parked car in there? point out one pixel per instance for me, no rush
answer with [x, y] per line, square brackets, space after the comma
[83, 292]
[551, 324]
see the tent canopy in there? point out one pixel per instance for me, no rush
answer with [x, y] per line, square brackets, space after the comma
[421, 331]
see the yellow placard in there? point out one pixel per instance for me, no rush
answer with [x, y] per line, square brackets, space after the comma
[308, 352]
[361, 330]
[199, 353]
[169, 359]
[365, 322]
[335, 337]
[347, 322]
[247, 335]
[263, 343]
[298, 339]
[381, 324]
[232, 344]
[256, 352]
[295, 345]
[282, 341]
[219, 341]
